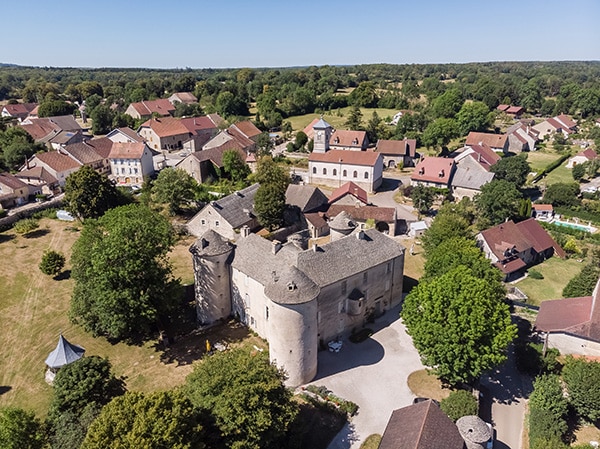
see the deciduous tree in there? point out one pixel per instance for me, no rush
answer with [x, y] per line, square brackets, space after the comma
[52, 263]
[498, 201]
[422, 198]
[459, 403]
[235, 166]
[459, 324]
[474, 116]
[123, 280]
[583, 384]
[512, 169]
[562, 194]
[174, 187]
[147, 420]
[20, 429]
[246, 396]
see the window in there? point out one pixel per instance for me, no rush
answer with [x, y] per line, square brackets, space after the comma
[122, 170]
[203, 222]
[344, 173]
[387, 285]
[334, 172]
[314, 170]
[365, 277]
[266, 313]
[366, 175]
[216, 222]
[135, 170]
[344, 287]
[324, 171]
[355, 174]
[388, 268]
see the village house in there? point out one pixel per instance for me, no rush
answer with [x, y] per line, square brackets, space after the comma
[19, 111]
[497, 142]
[433, 172]
[124, 135]
[293, 298]
[183, 97]
[201, 129]
[54, 132]
[130, 163]
[164, 134]
[92, 152]
[521, 137]
[514, 247]
[311, 203]
[542, 212]
[398, 153]
[572, 325]
[227, 215]
[247, 129]
[13, 191]
[233, 138]
[484, 155]
[144, 110]
[336, 139]
[560, 124]
[582, 157]
[514, 111]
[57, 164]
[203, 165]
[40, 180]
[469, 177]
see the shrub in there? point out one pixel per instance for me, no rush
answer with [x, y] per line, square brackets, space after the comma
[530, 359]
[52, 263]
[45, 213]
[458, 404]
[26, 225]
[535, 274]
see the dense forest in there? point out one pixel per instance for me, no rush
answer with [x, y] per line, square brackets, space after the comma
[432, 91]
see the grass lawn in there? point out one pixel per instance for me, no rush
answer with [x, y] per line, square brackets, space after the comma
[426, 385]
[338, 117]
[413, 264]
[557, 272]
[538, 160]
[34, 311]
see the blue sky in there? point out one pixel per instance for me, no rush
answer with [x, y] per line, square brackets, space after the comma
[268, 33]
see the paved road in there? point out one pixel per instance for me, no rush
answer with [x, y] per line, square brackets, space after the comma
[508, 391]
[372, 374]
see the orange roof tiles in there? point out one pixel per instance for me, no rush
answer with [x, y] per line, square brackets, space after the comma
[491, 140]
[349, 188]
[166, 126]
[405, 147]
[127, 150]
[368, 158]
[57, 161]
[347, 138]
[433, 169]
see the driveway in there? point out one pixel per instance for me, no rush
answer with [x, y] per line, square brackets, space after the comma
[373, 375]
[385, 198]
[507, 389]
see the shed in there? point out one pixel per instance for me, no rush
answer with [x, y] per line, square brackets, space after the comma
[417, 228]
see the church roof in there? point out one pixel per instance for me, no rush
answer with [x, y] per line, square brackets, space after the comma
[321, 124]
[64, 353]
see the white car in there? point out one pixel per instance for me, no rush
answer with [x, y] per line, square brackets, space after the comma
[591, 189]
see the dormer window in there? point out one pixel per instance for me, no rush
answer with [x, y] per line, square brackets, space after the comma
[421, 171]
[441, 174]
[291, 286]
[336, 140]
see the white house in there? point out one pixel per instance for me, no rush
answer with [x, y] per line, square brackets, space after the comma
[582, 157]
[336, 167]
[130, 162]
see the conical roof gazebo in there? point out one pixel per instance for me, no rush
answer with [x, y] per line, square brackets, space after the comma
[64, 354]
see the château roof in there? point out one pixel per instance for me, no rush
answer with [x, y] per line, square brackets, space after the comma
[291, 286]
[211, 244]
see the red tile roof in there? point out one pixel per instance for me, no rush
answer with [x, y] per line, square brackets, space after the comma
[247, 128]
[21, 110]
[166, 126]
[433, 169]
[515, 110]
[363, 213]
[503, 107]
[540, 239]
[161, 106]
[11, 181]
[588, 153]
[367, 158]
[491, 140]
[127, 150]
[37, 173]
[102, 145]
[349, 188]
[566, 120]
[484, 155]
[195, 124]
[308, 130]
[57, 161]
[215, 155]
[347, 138]
[405, 147]
[564, 314]
[185, 97]
[542, 207]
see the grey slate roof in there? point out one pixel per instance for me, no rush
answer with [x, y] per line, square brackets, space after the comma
[210, 244]
[64, 353]
[307, 198]
[470, 175]
[321, 124]
[291, 286]
[348, 256]
[254, 257]
[342, 222]
[234, 208]
[473, 429]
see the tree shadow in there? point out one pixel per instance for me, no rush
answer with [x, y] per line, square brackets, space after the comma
[63, 275]
[6, 237]
[389, 184]
[37, 233]
[4, 389]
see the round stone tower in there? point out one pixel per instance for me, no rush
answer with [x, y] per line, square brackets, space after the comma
[292, 326]
[341, 226]
[211, 255]
[474, 431]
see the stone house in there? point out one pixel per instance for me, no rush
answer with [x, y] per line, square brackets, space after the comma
[13, 191]
[39, 180]
[582, 157]
[124, 135]
[54, 132]
[183, 97]
[521, 137]
[164, 134]
[228, 215]
[560, 124]
[433, 172]
[19, 111]
[468, 178]
[497, 142]
[144, 110]
[203, 165]
[130, 163]
[59, 165]
[294, 298]
[398, 153]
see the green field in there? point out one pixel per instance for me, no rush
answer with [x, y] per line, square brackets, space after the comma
[557, 273]
[338, 117]
[34, 311]
[538, 160]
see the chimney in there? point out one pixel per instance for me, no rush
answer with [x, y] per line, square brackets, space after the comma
[275, 246]
[360, 235]
[245, 231]
[315, 248]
